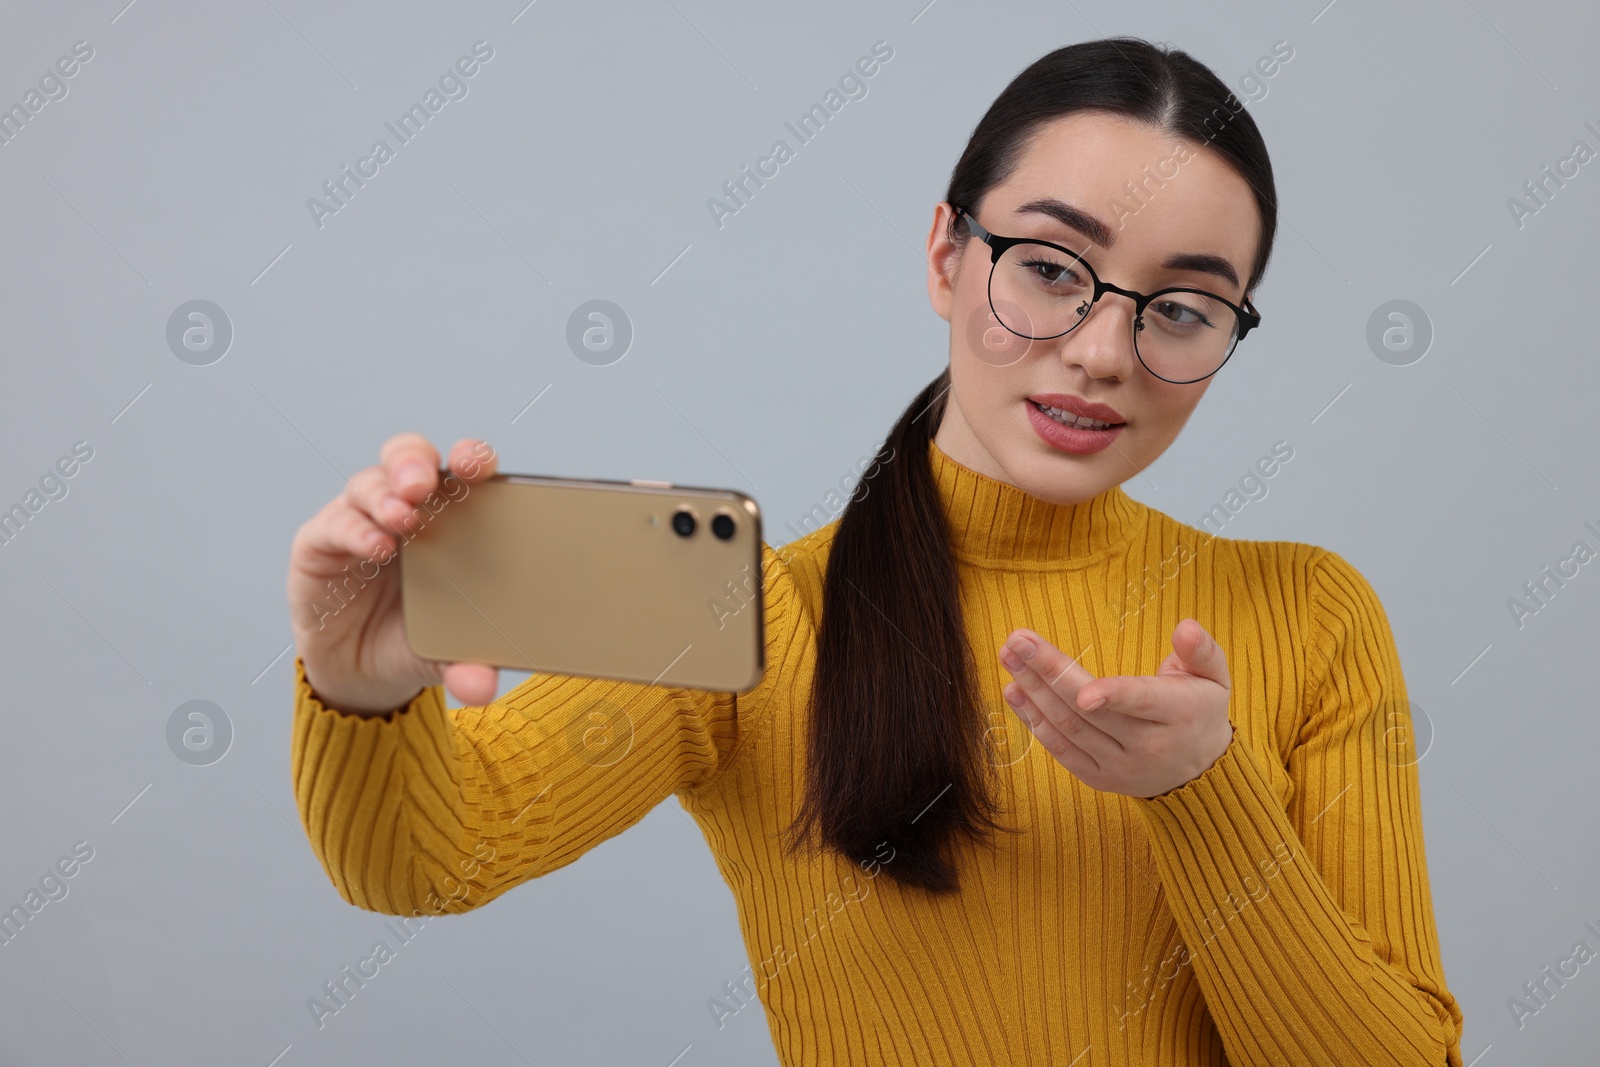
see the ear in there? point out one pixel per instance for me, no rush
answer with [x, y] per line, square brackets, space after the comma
[944, 257]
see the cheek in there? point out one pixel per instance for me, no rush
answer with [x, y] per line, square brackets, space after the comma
[984, 340]
[985, 397]
[1167, 408]
[991, 344]
[1168, 401]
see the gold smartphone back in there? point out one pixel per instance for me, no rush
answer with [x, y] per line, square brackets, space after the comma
[590, 577]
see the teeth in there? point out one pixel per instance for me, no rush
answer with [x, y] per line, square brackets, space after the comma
[1066, 418]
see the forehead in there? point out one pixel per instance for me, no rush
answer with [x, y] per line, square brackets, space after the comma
[1154, 198]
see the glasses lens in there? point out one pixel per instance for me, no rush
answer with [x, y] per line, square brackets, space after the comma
[1039, 291]
[1184, 336]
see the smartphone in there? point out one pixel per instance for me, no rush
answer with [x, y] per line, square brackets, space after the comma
[639, 580]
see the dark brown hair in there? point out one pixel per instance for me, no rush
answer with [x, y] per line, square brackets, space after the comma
[896, 751]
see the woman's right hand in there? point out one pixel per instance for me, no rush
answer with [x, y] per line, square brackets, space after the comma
[354, 644]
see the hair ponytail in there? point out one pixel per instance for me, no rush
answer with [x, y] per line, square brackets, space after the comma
[896, 740]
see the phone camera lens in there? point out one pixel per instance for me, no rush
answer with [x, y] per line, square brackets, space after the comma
[683, 522]
[722, 526]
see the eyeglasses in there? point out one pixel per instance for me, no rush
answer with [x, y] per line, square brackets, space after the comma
[1039, 290]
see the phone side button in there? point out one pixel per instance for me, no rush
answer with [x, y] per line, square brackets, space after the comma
[650, 483]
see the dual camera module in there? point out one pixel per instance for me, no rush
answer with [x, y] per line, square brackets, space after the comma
[684, 524]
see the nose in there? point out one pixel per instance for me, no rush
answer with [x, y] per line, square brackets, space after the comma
[1102, 343]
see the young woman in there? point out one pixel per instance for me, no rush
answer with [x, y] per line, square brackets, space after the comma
[1208, 855]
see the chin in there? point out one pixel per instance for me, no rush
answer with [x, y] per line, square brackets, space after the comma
[1057, 477]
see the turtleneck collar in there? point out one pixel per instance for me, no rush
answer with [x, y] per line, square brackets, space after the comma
[992, 521]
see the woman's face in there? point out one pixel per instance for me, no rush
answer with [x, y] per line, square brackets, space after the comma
[1086, 163]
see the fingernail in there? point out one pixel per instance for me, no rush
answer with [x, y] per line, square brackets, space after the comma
[411, 474]
[1022, 646]
[1013, 698]
[1096, 706]
[1010, 660]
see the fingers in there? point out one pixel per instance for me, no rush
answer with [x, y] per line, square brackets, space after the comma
[1053, 721]
[388, 493]
[395, 497]
[1135, 702]
[1063, 673]
[351, 531]
[1049, 680]
[473, 459]
[410, 464]
[1065, 749]
[369, 493]
[381, 502]
[336, 536]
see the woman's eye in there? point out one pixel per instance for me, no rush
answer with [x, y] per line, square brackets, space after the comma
[1051, 272]
[1175, 312]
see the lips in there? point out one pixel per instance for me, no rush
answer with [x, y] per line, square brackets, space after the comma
[1069, 438]
[1077, 405]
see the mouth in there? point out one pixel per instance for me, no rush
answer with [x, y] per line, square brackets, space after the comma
[1075, 421]
[1077, 413]
[1072, 424]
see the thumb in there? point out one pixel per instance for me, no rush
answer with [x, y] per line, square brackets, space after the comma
[472, 683]
[1199, 653]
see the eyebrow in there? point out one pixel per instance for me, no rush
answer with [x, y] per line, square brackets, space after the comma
[1105, 237]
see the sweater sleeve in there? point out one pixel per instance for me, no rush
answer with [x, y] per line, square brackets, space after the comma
[1311, 928]
[432, 810]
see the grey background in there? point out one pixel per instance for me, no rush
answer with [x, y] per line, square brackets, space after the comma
[771, 357]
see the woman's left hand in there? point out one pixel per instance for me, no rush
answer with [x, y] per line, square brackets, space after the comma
[1127, 734]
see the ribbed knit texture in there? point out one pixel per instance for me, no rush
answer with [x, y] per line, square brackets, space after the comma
[1274, 911]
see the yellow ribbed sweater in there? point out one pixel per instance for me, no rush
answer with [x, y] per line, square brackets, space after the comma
[1274, 911]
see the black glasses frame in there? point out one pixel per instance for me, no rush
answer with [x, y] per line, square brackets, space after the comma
[1248, 317]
